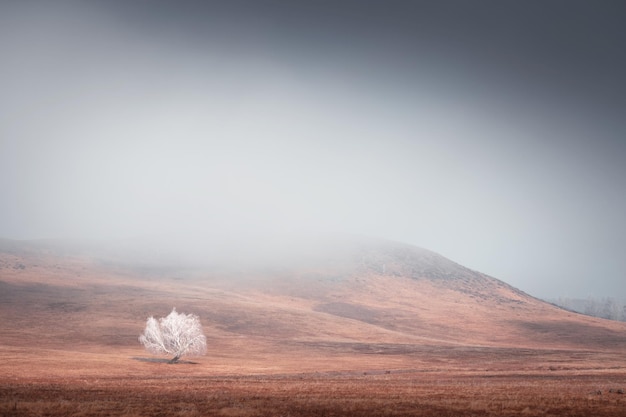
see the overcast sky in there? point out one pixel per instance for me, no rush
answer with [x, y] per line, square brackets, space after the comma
[492, 132]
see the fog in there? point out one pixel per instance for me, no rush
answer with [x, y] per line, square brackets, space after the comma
[491, 133]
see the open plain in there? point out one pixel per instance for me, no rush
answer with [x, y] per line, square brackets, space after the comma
[378, 328]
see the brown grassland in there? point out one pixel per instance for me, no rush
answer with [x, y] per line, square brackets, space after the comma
[312, 343]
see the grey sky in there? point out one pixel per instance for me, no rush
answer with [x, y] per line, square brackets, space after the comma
[490, 132]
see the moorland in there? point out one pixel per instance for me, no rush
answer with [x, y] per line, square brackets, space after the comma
[365, 327]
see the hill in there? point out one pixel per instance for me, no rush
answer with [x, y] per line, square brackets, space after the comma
[346, 303]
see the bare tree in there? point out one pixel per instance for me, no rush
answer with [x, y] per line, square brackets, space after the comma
[176, 334]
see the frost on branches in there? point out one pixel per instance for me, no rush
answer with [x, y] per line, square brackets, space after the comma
[177, 334]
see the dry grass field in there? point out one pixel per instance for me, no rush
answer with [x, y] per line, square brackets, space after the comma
[319, 394]
[422, 336]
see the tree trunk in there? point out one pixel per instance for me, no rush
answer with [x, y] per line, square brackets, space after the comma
[174, 359]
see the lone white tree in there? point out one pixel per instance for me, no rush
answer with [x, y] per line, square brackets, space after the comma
[176, 334]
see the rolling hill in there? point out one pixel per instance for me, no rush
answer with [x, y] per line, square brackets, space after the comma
[340, 304]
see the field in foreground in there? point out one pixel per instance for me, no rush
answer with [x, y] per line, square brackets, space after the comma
[400, 393]
[358, 380]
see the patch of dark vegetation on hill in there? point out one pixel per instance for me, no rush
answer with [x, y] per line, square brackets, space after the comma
[67, 307]
[255, 321]
[474, 354]
[391, 319]
[574, 333]
[351, 311]
[37, 296]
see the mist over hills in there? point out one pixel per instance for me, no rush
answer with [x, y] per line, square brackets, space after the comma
[347, 295]
[264, 258]
[606, 307]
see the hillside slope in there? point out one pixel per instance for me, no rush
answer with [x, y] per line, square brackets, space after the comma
[331, 302]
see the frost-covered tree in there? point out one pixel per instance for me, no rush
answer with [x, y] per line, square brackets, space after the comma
[177, 334]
